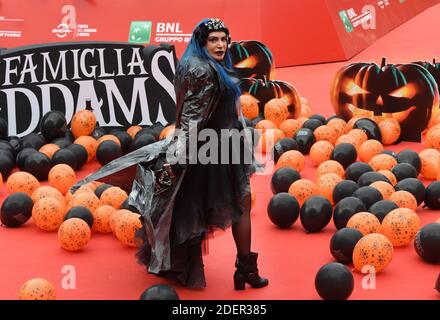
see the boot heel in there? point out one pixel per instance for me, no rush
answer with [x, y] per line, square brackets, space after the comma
[239, 283]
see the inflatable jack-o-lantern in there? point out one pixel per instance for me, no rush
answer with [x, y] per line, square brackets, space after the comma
[405, 92]
[265, 91]
[252, 59]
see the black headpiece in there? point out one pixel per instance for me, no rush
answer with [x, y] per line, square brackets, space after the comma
[207, 26]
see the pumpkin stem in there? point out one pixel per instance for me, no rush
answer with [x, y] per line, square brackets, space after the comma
[433, 61]
[384, 61]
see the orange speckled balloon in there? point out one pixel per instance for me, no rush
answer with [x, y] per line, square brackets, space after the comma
[374, 250]
[330, 166]
[109, 137]
[325, 133]
[85, 199]
[49, 149]
[369, 149]
[264, 125]
[290, 127]
[37, 289]
[62, 177]
[113, 196]
[404, 199]
[359, 135]
[269, 138]
[90, 144]
[249, 106]
[340, 126]
[306, 111]
[125, 228]
[365, 222]
[382, 162]
[293, 159]
[83, 123]
[352, 121]
[83, 189]
[400, 226]
[74, 234]
[101, 219]
[134, 129]
[22, 182]
[301, 120]
[432, 138]
[167, 131]
[303, 189]
[430, 159]
[320, 151]
[384, 188]
[326, 184]
[390, 130]
[389, 175]
[346, 138]
[93, 185]
[115, 217]
[48, 214]
[47, 192]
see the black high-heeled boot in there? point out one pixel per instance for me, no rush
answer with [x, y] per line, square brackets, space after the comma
[247, 272]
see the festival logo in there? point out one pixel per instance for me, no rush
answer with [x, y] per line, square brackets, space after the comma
[69, 28]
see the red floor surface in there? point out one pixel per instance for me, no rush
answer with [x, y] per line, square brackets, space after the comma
[106, 269]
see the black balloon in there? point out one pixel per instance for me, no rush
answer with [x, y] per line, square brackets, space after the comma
[101, 188]
[53, 125]
[403, 171]
[312, 124]
[69, 135]
[16, 209]
[413, 186]
[5, 145]
[6, 164]
[159, 292]
[316, 213]
[342, 244]
[381, 208]
[344, 153]
[65, 156]
[3, 128]
[283, 210]
[124, 138]
[305, 139]
[62, 142]
[256, 120]
[369, 127]
[411, 157]
[343, 189]
[38, 164]
[319, 117]
[141, 141]
[390, 153]
[158, 127]
[368, 195]
[80, 153]
[33, 140]
[126, 206]
[108, 151]
[369, 177]
[282, 146]
[146, 130]
[432, 196]
[427, 243]
[15, 142]
[98, 132]
[283, 178]
[82, 213]
[345, 209]
[334, 117]
[334, 281]
[22, 155]
[355, 170]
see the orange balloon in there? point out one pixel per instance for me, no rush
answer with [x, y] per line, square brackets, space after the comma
[48, 214]
[293, 159]
[49, 149]
[352, 121]
[339, 125]
[101, 219]
[306, 111]
[391, 177]
[346, 138]
[432, 138]
[384, 188]
[125, 228]
[269, 138]
[303, 189]
[109, 137]
[326, 184]
[404, 199]
[264, 125]
[167, 131]
[325, 133]
[320, 151]
[62, 177]
[276, 111]
[365, 222]
[373, 251]
[301, 120]
[74, 234]
[359, 135]
[115, 217]
[290, 127]
[133, 130]
[382, 162]
[90, 144]
[47, 192]
[330, 166]
[249, 106]
[93, 185]
[83, 123]
[390, 130]
[85, 199]
[37, 289]
[400, 226]
[22, 182]
[369, 149]
[114, 196]
[430, 159]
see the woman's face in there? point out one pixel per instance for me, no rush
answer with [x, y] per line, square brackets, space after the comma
[216, 45]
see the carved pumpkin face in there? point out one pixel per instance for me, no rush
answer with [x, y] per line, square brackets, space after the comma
[405, 92]
[264, 91]
[252, 59]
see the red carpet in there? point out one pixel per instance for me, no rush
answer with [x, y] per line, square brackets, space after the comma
[106, 269]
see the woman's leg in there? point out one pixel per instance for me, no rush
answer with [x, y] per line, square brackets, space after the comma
[241, 230]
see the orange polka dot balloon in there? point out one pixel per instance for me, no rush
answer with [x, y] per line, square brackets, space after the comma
[382, 162]
[390, 130]
[125, 228]
[49, 149]
[340, 126]
[83, 123]
[430, 159]
[134, 129]
[365, 222]
[346, 138]
[306, 111]
[249, 106]
[390, 176]
[47, 192]
[85, 199]
[320, 151]
[303, 189]
[330, 166]
[325, 133]
[101, 219]
[293, 159]
[369, 149]
[114, 219]
[269, 138]
[264, 125]
[22, 182]
[400, 226]
[326, 184]
[373, 250]
[432, 138]
[166, 132]
[290, 127]
[62, 177]
[404, 199]
[359, 135]
[114, 196]
[48, 214]
[74, 234]
[384, 188]
[90, 144]
[37, 289]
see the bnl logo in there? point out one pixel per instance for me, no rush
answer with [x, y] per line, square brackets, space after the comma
[140, 32]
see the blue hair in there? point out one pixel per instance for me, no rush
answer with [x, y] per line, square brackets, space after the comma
[224, 68]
